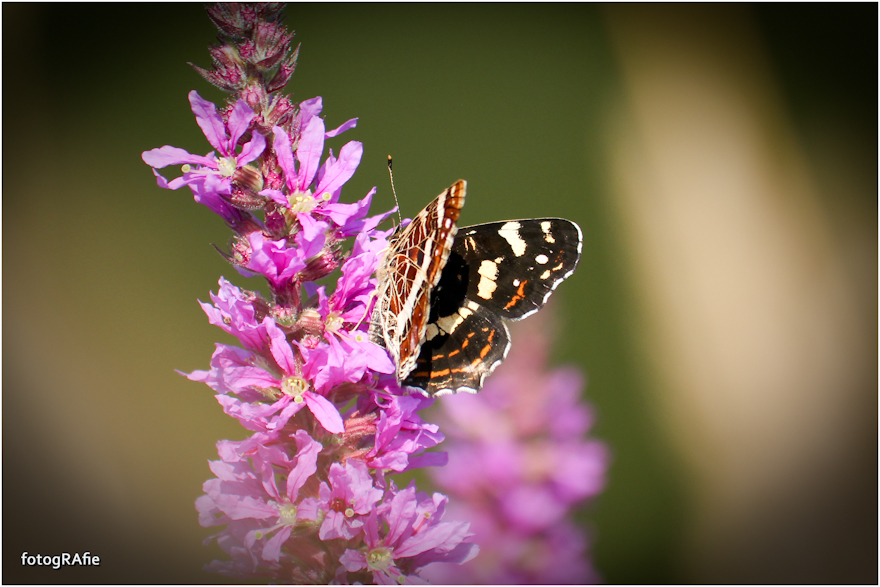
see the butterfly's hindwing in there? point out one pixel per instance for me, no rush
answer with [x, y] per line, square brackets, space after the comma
[514, 266]
[461, 350]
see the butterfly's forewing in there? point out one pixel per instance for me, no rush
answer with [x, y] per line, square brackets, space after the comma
[411, 268]
[515, 265]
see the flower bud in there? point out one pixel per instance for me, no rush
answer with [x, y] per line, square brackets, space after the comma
[322, 264]
[253, 95]
[279, 112]
[272, 42]
[240, 251]
[285, 71]
[248, 179]
[229, 72]
[310, 322]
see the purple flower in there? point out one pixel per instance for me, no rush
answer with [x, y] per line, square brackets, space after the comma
[401, 435]
[213, 174]
[338, 361]
[345, 355]
[313, 107]
[302, 171]
[405, 534]
[238, 371]
[275, 260]
[354, 289]
[247, 489]
[341, 504]
[252, 377]
[235, 313]
[293, 385]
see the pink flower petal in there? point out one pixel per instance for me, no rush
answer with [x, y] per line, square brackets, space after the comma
[281, 349]
[272, 549]
[308, 152]
[209, 121]
[308, 109]
[307, 450]
[164, 156]
[251, 150]
[239, 119]
[285, 156]
[341, 171]
[325, 412]
[353, 560]
[348, 124]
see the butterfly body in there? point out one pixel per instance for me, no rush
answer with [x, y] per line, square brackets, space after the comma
[444, 293]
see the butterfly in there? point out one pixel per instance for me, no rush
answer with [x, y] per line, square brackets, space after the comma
[444, 293]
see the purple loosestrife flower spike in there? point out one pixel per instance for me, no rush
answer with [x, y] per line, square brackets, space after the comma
[304, 498]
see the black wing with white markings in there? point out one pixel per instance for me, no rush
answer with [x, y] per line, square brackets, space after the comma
[497, 270]
[514, 266]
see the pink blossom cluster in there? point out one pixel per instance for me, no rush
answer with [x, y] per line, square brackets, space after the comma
[519, 462]
[305, 498]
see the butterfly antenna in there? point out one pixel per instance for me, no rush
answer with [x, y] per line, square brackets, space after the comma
[396, 203]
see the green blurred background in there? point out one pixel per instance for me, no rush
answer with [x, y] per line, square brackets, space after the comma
[721, 160]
